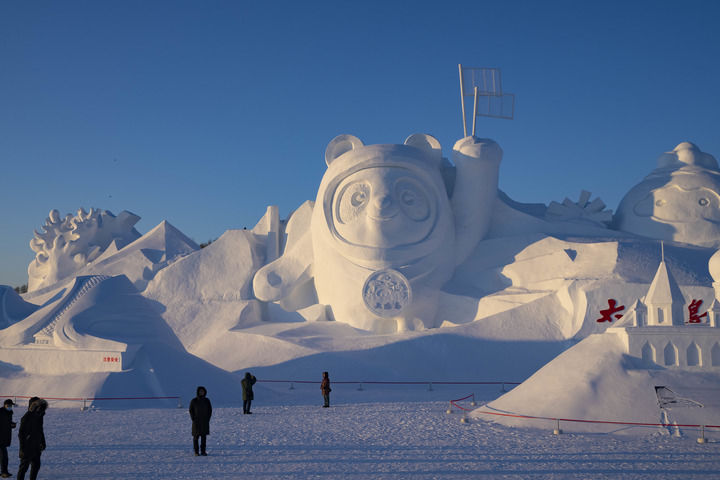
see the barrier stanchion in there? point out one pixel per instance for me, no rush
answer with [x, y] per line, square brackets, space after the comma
[430, 389]
[473, 403]
[449, 410]
[179, 402]
[292, 387]
[701, 438]
[360, 388]
[464, 418]
[502, 389]
[84, 407]
[557, 430]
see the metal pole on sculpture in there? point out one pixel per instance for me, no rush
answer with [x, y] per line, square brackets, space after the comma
[475, 103]
[462, 100]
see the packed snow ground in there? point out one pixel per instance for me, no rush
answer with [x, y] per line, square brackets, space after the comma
[388, 432]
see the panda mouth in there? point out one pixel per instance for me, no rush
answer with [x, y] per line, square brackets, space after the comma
[383, 218]
[684, 219]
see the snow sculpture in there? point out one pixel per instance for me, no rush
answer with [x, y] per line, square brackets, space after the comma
[387, 230]
[679, 200]
[655, 330]
[68, 244]
[583, 210]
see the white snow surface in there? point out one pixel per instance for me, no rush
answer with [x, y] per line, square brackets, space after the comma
[382, 432]
[594, 380]
[515, 305]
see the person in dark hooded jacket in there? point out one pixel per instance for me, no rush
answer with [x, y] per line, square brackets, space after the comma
[247, 391]
[200, 413]
[32, 439]
[6, 426]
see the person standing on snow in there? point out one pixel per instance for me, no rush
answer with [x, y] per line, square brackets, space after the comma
[200, 413]
[32, 438]
[247, 391]
[325, 389]
[6, 426]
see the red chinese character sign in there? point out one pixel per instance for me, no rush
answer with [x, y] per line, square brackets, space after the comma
[611, 311]
[693, 309]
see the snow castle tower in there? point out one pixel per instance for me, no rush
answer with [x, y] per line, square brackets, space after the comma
[664, 301]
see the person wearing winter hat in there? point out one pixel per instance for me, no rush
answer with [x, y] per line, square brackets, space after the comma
[6, 426]
[200, 413]
[32, 439]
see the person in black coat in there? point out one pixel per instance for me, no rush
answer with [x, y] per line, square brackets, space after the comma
[247, 388]
[200, 413]
[6, 426]
[32, 439]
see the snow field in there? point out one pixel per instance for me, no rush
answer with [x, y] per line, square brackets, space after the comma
[360, 436]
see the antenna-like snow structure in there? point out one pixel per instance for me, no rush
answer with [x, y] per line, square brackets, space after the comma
[662, 251]
[489, 100]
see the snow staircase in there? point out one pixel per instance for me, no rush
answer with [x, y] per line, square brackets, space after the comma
[83, 286]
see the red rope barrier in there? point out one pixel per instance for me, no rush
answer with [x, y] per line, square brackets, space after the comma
[80, 399]
[453, 402]
[607, 422]
[393, 383]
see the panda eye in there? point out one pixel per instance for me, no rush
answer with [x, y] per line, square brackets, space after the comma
[352, 201]
[408, 198]
[358, 198]
[703, 202]
[414, 201]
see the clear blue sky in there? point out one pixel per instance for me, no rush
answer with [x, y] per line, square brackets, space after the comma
[203, 113]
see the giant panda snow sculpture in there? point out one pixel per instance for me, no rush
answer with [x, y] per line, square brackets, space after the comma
[678, 201]
[386, 231]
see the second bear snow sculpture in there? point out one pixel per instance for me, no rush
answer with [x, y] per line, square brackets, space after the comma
[388, 227]
[678, 201]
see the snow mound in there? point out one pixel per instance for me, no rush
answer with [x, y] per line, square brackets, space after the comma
[12, 306]
[100, 337]
[596, 380]
[207, 296]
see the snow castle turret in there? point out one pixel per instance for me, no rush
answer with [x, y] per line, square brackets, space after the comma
[664, 300]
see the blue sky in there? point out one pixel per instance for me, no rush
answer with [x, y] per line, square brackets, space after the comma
[204, 113]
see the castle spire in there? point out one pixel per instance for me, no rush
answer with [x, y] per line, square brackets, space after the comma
[664, 300]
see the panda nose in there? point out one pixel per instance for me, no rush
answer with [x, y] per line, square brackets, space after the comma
[384, 202]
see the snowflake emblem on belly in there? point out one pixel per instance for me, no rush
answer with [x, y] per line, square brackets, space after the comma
[386, 293]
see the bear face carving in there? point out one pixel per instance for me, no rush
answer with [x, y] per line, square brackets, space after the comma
[678, 201]
[384, 207]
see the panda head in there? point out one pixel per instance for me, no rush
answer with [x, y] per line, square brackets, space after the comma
[383, 196]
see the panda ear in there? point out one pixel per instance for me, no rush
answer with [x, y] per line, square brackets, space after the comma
[339, 145]
[424, 141]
